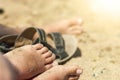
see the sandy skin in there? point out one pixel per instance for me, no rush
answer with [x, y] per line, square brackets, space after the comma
[31, 60]
[33, 64]
[58, 72]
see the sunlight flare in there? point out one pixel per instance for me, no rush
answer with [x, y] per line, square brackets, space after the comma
[109, 6]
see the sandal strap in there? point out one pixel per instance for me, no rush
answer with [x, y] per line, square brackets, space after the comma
[26, 37]
[42, 39]
[7, 42]
[42, 36]
[59, 44]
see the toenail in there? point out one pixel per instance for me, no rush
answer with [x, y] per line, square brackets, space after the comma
[79, 71]
[50, 52]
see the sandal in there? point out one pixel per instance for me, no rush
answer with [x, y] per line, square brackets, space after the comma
[64, 45]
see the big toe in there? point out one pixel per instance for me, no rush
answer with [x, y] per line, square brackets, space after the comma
[73, 70]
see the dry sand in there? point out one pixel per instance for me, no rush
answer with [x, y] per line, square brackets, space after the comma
[100, 46]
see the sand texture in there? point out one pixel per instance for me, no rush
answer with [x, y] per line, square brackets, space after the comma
[99, 45]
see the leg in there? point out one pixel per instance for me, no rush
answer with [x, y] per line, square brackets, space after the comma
[7, 71]
[31, 60]
[60, 73]
[4, 30]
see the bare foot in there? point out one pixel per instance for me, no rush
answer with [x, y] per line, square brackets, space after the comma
[31, 60]
[60, 73]
[72, 26]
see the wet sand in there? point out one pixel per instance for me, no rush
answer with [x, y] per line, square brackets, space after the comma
[99, 46]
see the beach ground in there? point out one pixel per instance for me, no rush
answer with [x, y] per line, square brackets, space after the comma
[99, 45]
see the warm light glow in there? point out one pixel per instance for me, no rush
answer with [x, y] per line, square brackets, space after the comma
[110, 6]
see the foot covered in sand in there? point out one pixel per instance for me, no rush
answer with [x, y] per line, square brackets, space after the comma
[72, 26]
[60, 72]
[31, 60]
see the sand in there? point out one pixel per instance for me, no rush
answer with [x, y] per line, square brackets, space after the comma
[99, 46]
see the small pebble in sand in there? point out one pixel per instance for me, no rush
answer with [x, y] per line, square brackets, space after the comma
[94, 60]
[1, 11]
[108, 49]
[94, 75]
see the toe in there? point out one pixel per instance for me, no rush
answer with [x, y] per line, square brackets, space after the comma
[43, 50]
[37, 46]
[73, 70]
[75, 21]
[50, 59]
[47, 54]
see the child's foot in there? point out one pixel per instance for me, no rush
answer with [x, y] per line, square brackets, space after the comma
[31, 60]
[72, 26]
[60, 73]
